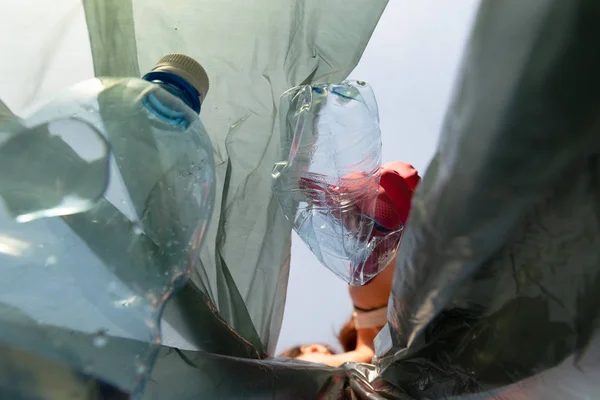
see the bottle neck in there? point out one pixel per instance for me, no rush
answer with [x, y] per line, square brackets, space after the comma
[177, 86]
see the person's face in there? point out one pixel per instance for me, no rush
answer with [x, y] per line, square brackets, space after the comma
[316, 353]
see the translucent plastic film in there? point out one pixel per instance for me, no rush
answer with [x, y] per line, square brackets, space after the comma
[253, 51]
[329, 176]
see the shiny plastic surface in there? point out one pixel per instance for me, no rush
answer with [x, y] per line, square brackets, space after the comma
[328, 179]
[106, 193]
[496, 292]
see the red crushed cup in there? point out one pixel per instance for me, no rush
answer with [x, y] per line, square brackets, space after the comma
[355, 195]
[397, 184]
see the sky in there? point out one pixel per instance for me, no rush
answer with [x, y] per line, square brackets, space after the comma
[411, 62]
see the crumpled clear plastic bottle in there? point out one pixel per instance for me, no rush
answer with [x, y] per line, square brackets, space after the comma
[328, 179]
[105, 195]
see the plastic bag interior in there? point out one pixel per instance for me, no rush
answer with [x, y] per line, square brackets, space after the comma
[497, 284]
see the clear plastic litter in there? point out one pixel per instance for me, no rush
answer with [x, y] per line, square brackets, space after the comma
[105, 195]
[328, 179]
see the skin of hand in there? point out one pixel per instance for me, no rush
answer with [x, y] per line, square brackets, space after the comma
[363, 353]
[374, 294]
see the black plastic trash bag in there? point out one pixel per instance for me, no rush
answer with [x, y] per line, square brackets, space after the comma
[497, 287]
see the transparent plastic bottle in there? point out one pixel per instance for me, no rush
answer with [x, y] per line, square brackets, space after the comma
[328, 179]
[105, 195]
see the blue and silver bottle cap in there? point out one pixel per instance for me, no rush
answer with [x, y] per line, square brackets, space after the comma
[190, 72]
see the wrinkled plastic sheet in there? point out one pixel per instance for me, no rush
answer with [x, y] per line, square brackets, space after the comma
[497, 285]
[254, 51]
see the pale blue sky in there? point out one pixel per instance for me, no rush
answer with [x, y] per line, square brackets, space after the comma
[411, 62]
